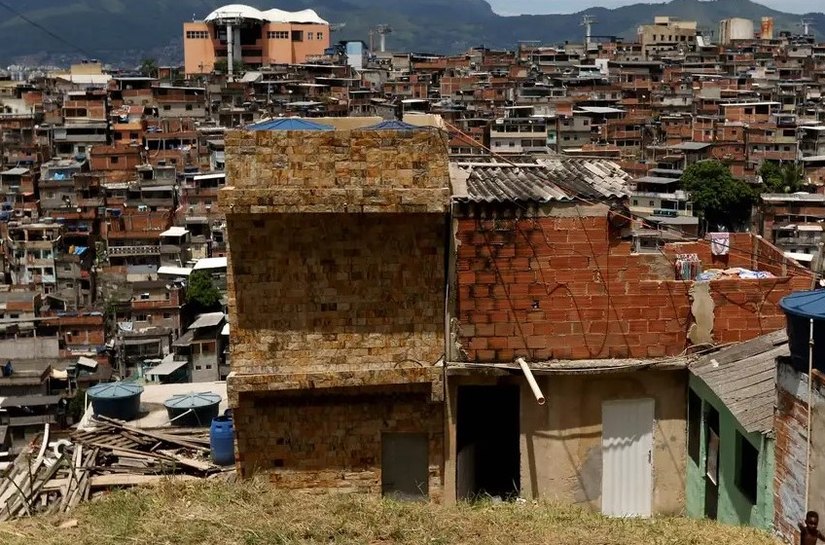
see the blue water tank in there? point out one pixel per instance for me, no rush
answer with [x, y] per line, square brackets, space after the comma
[193, 409]
[222, 440]
[120, 400]
[800, 308]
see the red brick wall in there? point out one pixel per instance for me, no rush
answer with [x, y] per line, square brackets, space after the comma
[790, 450]
[563, 288]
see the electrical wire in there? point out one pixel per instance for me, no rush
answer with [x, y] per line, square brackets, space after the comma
[46, 30]
[751, 254]
[732, 248]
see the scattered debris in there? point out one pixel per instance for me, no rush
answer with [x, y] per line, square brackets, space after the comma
[55, 476]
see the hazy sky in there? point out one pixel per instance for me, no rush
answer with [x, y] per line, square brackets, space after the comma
[514, 7]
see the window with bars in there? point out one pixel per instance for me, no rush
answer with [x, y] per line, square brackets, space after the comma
[197, 34]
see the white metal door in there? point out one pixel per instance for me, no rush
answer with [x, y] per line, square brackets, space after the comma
[627, 451]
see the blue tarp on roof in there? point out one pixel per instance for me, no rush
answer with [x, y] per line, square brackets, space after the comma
[78, 250]
[289, 124]
[392, 125]
[807, 304]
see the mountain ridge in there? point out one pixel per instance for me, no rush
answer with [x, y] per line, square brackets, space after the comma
[118, 32]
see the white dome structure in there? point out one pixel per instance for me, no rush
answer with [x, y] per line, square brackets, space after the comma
[242, 11]
[303, 16]
[236, 11]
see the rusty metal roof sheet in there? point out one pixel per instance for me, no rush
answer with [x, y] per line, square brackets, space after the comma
[743, 376]
[549, 179]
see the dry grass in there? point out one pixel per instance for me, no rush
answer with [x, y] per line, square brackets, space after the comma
[252, 513]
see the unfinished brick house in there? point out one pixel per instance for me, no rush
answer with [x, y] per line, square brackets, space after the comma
[374, 349]
[336, 288]
[546, 270]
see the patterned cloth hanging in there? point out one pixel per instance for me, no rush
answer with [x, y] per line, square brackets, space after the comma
[687, 266]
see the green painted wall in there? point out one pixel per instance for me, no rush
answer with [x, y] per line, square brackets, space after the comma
[734, 507]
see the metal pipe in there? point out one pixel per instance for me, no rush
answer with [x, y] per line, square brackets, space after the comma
[810, 396]
[531, 380]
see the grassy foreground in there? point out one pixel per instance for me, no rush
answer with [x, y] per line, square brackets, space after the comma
[252, 513]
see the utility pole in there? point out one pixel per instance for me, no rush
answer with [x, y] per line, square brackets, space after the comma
[587, 22]
[818, 263]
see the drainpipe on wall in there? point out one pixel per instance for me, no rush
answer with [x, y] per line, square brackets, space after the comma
[810, 396]
[531, 380]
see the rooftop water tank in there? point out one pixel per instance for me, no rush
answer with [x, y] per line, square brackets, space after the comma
[800, 308]
[192, 409]
[120, 400]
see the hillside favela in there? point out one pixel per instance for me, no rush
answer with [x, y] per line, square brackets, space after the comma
[442, 272]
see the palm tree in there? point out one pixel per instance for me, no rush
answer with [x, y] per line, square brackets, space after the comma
[793, 177]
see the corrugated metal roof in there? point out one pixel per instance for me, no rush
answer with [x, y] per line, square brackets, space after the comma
[184, 340]
[551, 179]
[744, 378]
[166, 368]
[210, 263]
[392, 125]
[17, 171]
[175, 232]
[289, 124]
[210, 319]
[656, 180]
[30, 401]
[174, 271]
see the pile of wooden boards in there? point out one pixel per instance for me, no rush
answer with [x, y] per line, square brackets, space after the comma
[54, 476]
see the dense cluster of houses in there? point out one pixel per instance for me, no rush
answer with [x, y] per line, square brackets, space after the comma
[110, 187]
[450, 275]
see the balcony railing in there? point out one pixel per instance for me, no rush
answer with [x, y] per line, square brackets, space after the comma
[125, 251]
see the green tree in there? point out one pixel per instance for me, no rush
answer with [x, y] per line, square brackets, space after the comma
[149, 67]
[221, 67]
[202, 292]
[77, 405]
[782, 178]
[724, 201]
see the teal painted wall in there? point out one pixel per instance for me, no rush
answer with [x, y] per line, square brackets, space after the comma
[734, 507]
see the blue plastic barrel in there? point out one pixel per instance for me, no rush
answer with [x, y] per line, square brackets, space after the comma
[222, 441]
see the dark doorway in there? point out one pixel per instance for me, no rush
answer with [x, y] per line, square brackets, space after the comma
[488, 441]
[712, 458]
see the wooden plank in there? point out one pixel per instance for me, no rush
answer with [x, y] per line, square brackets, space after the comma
[191, 463]
[157, 436]
[55, 485]
[106, 481]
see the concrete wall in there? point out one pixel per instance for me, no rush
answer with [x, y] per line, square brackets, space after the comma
[561, 456]
[733, 507]
[202, 360]
[791, 424]
[198, 53]
[26, 348]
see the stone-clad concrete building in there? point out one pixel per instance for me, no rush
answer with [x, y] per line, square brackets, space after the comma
[336, 283]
